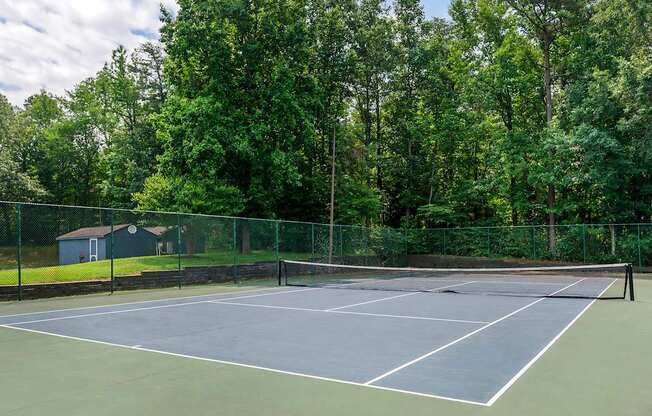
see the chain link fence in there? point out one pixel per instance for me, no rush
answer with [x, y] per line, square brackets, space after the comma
[49, 244]
[45, 245]
[583, 243]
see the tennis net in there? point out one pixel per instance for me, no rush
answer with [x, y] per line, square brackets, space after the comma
[604, 281]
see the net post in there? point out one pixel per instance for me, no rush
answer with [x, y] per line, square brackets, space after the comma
[631, 282]
[19, 250]
[626, 282]
[179, 251]
[111, 248]
[278, 272]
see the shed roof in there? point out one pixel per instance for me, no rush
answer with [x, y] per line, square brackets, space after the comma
[103, 231]
[158, 230]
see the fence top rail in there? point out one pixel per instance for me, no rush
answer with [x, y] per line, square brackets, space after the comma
[188, 214]
[484, 227]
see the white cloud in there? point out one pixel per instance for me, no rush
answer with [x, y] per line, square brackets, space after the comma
[54, 44]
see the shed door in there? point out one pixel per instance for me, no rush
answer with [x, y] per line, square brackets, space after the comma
[92, 249]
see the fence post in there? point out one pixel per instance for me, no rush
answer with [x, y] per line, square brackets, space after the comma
[341, 243]
[534, 243]
[179, 250]
[366, 232]
[488, 241]
[111, 248]
[277, 244]
[407, 245]
[584, 243]
[638, 243]
[312, 241]
[19, 249]
[235, 250]
[443, 251]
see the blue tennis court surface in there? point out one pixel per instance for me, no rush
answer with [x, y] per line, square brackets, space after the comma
[468, 348]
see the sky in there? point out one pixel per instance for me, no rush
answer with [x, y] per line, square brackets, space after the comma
[55, 44]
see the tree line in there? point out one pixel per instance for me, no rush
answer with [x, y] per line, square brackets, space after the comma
[511, 112]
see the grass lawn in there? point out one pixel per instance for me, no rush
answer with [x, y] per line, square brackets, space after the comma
[133, 266]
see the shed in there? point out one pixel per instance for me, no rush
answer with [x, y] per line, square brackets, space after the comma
[93, 243]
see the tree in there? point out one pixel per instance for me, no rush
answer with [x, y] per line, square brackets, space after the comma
[26, 143]
[403, 105]
[374, 58]
[7, 121]
[513, 112]
[243, 103]
[502, 76]
[16, 185]
[134, 92]
[545, 20]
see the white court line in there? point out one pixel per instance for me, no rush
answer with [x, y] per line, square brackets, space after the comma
[86, 315]
[500, 282]
[482, 328]
[270, 294]
[536, 357]
[381, 315]
[372, 301]
[233, 363]
[394, 297]
[108, 305]
[411, 317]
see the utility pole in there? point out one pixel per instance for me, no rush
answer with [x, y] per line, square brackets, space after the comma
[332, 207]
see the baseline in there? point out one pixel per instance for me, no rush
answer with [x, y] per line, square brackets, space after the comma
[138, 347]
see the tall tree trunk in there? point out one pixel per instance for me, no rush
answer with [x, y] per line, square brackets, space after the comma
[432, 183]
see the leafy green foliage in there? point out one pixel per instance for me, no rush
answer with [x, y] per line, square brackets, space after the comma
[16, 185]
[509, 113]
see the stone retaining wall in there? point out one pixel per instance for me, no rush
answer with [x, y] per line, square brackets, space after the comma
[146, 280]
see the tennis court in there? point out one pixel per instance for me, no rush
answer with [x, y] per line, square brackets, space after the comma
[469, 347]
